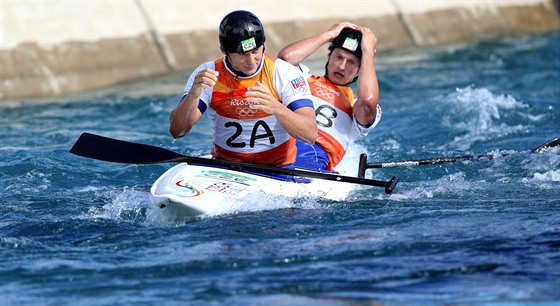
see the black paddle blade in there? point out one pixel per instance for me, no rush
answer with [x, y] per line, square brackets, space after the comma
[119, 151]
[550, 144]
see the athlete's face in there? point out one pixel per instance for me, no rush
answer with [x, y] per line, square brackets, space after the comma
[247, 62]
[343, 66]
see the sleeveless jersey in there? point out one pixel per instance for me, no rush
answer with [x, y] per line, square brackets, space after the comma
[243, 134]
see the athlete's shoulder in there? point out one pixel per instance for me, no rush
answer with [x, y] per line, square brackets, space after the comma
[208, 65]
[282, 64]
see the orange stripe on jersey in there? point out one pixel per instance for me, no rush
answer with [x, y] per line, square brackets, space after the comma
[335, 151]
[228, 97]
[279, 156]
[332, 135]
[341, 97]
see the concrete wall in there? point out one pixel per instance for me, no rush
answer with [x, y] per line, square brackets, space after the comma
[58, 46]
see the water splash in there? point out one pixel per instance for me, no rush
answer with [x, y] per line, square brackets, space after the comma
[452, 185]
[478, 115]
[349, 164]
[128, 206]
[548, 176]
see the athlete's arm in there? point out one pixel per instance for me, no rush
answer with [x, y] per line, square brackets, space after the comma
[186, 113]
[367, 93]
[300, 123]
[298, 51]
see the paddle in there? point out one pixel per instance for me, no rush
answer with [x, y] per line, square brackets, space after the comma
[443, 160]
[114, 150]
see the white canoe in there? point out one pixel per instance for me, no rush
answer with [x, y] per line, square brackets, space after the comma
[189, 190]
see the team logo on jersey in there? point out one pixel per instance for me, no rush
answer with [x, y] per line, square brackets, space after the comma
[300, 86]
[323, 93]
[324, 90]
[245, 111]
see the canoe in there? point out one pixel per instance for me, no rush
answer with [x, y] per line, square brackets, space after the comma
[187, 190]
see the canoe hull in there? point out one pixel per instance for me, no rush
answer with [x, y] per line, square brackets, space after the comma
[191, 190]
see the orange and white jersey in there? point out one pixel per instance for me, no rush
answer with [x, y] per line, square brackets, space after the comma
[337, 125]
[244, 134]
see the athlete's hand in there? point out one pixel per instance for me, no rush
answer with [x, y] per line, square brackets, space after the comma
[204, 79]
[262, 99]
[338, 27]
[369, 41]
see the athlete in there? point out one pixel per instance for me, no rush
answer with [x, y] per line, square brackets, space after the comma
[258, 105]
[342, 116]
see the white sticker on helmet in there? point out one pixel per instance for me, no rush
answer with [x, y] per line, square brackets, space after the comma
[350, 44]
[248, 44]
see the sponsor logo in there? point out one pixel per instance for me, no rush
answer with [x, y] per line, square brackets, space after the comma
[215, 181]
[229, 183]
[322, 93]
[190, 191]
[298, 82]
[236, 102]
[300, 86]
[248, 44]
[245, 111]
[224, 187]
[327, 88]
[226, 176]
[350, 44]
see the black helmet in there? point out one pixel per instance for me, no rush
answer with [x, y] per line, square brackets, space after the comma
[349, 40]
[241, 31]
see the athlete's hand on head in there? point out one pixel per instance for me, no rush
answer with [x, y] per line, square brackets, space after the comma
[261, 98]
[337, 28]
[204, 79]
[369, 41]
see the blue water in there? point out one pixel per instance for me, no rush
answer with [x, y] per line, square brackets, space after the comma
[77, 231]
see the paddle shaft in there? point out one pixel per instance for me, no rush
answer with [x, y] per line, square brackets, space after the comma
[445, 160]
[432, 161]
[114, 150]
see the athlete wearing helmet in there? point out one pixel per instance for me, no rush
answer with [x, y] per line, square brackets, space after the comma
[342, 116]
[258, 105]
[241, 31]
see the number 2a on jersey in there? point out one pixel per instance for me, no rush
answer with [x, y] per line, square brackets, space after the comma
[256, 134]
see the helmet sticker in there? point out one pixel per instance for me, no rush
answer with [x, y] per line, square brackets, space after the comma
[248, 44]
[350, 44]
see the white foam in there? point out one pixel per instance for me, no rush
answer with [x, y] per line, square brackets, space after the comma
[349, 164]
[454, 184]
[548, 176]
[129, 206]
[481, 114]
